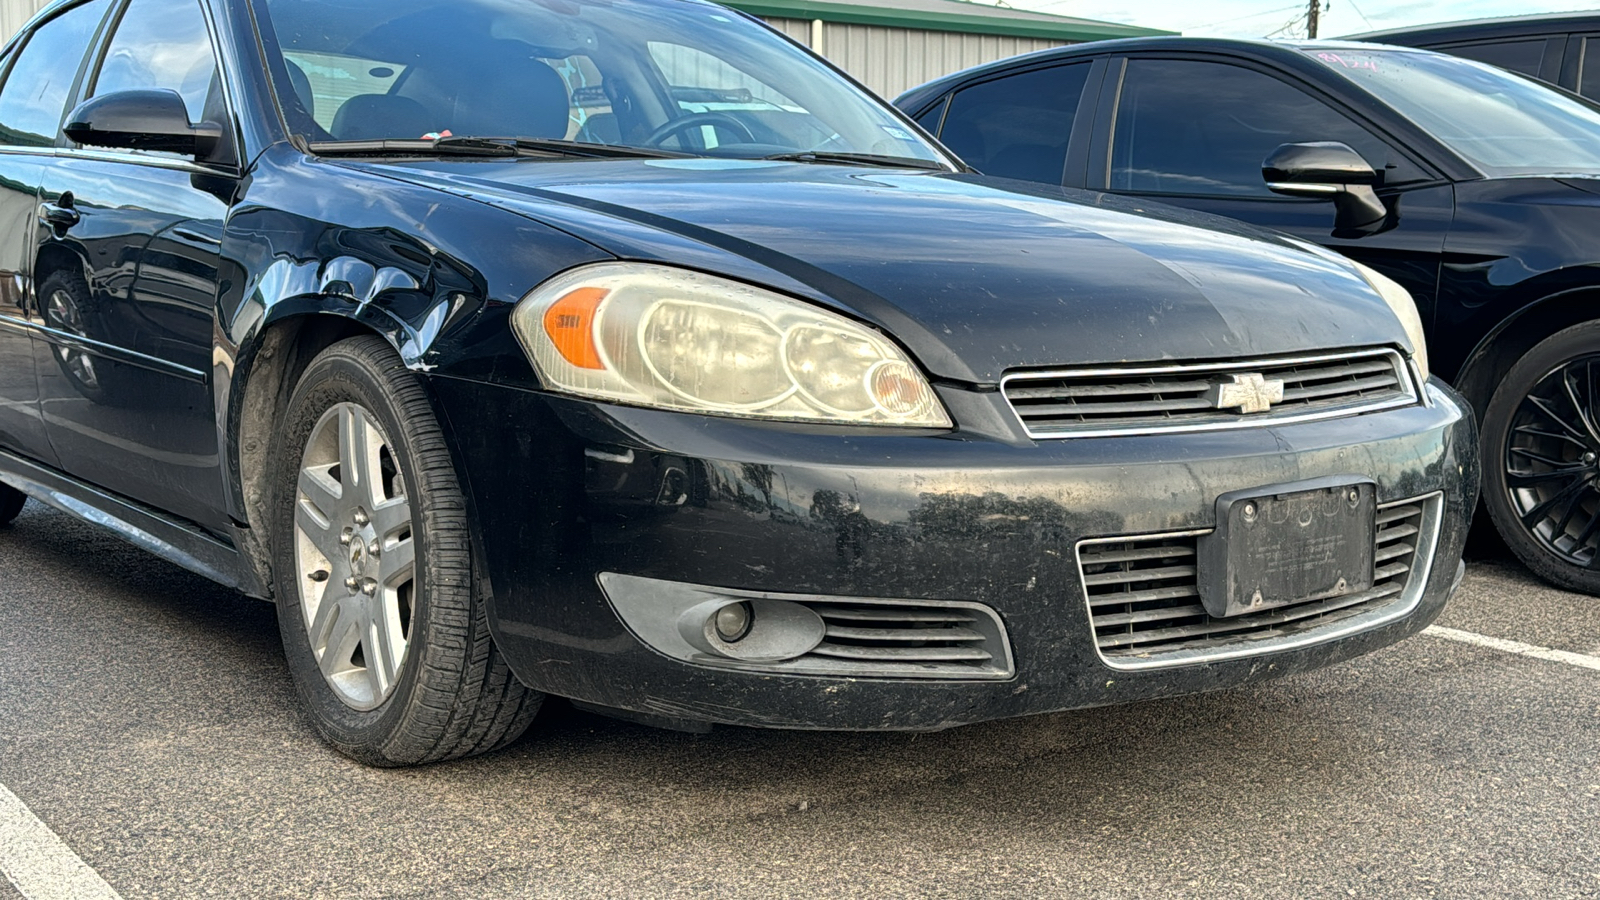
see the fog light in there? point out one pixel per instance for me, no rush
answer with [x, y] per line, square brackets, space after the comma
[756, 630]
[733, 622]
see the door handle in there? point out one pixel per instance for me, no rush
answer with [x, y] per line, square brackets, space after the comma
[59, 217]
[197, 237]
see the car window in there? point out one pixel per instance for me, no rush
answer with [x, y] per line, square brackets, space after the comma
[161, 44]
[702, 83]
[1504, 124]
[1018, 126]
[33, 100]
[1589, 74]
[688, 77]
[1525, 56]
[933, 116]
[589, 113]
[325, 82]
[1191, 127]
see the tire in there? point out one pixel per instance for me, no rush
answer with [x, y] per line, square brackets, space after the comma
[68, 306]
[408, 672]
[1541, 458]
[11, 502]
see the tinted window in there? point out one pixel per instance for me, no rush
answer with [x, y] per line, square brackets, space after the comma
[1017, 127]
[1589, 79]
[161, 44]
[933, 115]
[1523, 56]
[34, 99]
[1186, 127]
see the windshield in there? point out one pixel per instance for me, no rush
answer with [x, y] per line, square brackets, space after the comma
[673, 75]
[1503, 123]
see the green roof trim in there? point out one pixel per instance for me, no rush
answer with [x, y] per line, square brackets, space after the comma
[1034, 25]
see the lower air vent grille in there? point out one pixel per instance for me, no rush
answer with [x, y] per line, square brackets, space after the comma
[907, 639]
[1144, 599]
[848, 637]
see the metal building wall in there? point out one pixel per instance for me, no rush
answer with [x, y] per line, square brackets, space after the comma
[799, 29]
[15, 13]
[894, 60]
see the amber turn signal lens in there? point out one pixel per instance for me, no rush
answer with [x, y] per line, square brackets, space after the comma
[898, 389]
[570, 324]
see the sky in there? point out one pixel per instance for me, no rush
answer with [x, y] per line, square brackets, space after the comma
[1286, 18]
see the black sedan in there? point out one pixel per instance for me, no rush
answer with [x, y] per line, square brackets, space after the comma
[1477, 189]
[620, 350]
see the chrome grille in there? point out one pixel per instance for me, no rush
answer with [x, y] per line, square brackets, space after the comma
[1144, 599]
[1159, 399]
[907, 639]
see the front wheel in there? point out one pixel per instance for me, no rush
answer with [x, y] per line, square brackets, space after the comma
[1541, 458]
[385, 635]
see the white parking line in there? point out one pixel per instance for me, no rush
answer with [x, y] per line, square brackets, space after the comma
[38, 864]
[1521, 649]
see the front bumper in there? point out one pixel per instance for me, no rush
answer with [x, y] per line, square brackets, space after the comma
[564, 492]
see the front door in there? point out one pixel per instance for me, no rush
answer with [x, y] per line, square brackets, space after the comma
[127, 282]
[38, 81]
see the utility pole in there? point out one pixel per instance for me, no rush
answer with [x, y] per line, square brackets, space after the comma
[1311, 19]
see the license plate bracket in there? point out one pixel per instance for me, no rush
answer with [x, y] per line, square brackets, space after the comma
[1288, 543]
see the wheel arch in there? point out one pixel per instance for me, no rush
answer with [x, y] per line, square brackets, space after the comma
[1512, 338]
[53, 256]
[316, 260]
[268, 368]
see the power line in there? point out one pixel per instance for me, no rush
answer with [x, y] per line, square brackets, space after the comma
[1289, 29]
[1257, 15]
[1360, 13]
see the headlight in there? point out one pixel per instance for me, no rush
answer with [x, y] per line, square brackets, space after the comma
[1405, 309]
[675, 339]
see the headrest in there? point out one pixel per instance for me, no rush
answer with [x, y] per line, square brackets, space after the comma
[374, 117]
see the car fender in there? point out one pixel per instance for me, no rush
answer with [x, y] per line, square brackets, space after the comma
[330, 251]
[1563, 299]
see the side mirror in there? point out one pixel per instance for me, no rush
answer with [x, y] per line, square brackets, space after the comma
[141, 120]
[1329, 170]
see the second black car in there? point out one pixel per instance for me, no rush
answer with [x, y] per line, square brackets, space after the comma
[1477, 189]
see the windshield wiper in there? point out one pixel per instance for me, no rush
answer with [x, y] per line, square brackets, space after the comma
[825, 157]
[486, 146]
[397, 147]
[585, 148]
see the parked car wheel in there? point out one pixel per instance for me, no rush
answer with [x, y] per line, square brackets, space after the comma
[11, 501]
[1541, 444]
[386, 637]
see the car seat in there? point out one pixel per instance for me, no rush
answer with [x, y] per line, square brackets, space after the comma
[372, 117]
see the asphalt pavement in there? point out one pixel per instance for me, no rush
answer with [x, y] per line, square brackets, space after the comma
[147, 718]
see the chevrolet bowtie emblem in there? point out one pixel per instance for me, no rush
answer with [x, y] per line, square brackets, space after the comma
[1248, 393]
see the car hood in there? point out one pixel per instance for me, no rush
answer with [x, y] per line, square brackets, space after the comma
[976, 276]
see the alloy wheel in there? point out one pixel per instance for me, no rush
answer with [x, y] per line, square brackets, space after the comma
[355, 555]
[1552, 462]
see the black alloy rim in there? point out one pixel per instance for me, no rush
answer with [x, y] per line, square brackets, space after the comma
[1552, 462]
